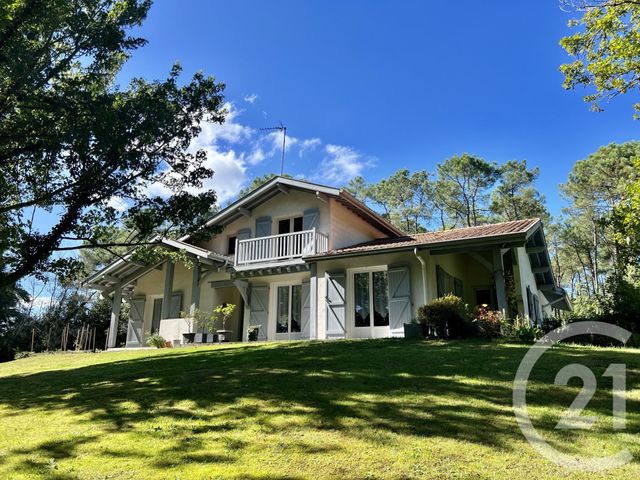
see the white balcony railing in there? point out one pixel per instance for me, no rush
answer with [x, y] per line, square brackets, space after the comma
[282, 247]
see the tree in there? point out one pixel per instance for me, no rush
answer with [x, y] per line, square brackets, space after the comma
[606, 49]
[258, 182]
[463, 184]
[516, 197]
[73, 142]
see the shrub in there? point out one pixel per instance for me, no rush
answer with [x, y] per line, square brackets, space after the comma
[445, 317]
[156, 340]
[520, 330]
[549, 324]
[488, 321]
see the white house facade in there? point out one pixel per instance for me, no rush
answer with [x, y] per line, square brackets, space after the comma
[307, 261]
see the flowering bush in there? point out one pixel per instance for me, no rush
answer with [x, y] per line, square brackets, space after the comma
[489, 321]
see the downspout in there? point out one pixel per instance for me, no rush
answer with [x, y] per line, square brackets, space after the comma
[424, 274]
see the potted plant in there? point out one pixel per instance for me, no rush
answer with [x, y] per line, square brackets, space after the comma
[223, 313]
[190, 336]
[252, 333]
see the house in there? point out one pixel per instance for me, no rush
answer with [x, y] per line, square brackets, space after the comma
[307, 261]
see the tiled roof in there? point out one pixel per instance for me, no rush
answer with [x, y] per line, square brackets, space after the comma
[517, 227]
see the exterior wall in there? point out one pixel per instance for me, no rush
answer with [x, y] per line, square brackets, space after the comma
[347, 228]
[273, 281]
[151, 287]
[401, 258]
[526, 279]
[279, 207]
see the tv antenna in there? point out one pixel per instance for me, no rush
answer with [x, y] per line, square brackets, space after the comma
[283, 129]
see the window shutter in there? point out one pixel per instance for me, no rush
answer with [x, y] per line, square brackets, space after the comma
[440, 281]
[458, 287]
[399, 297]
[176, 305]
[310, 218]
[243, 234]
[136, 318]
[306, 309]
[335, 304]
[263, 227]
[259, 308]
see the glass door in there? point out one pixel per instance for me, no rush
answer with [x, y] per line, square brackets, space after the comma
[370, 304]
[289, 312]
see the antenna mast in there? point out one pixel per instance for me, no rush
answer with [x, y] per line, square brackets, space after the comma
[283, 129]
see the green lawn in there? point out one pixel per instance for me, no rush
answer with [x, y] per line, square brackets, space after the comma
[349, 409]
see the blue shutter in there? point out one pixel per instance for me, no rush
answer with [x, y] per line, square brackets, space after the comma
[243, 234]
[336, 324]
[136, 319]
[310, 218]
[259, 308]
[399, 297]
[263, 227]
[176, 305]
[306, 309]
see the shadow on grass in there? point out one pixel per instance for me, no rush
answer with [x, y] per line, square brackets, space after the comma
[370, 390]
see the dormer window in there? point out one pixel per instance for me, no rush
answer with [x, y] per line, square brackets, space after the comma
[289, 225]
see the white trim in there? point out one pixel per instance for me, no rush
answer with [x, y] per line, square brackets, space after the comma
[374, 332]
[272, 317]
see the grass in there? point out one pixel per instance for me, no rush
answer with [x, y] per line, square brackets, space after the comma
[349, 409]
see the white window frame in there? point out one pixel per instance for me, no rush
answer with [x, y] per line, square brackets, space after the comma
[273, 290]
[350, 304]
[277, 221]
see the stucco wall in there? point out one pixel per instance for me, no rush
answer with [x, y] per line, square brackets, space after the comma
[279, 207]
[347, 228]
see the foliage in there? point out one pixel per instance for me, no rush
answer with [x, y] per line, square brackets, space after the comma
[520, 329]
[223, 313]
[156, 340]
[606, 49]
[12, 318]
[489, 321]
[463, 184]
[447, 317]
[65, 123]
[211, 320]
[515, 197]
[258, 181]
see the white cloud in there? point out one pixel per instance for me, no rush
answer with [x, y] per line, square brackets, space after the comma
[251, 98]
[341, 164]
[308, 145]
[230, 131]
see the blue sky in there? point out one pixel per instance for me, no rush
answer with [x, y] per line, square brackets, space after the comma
[373, 86]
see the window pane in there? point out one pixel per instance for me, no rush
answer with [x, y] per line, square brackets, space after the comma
[296, 308]
[284, 226]
[282, 321]
[380, 299]
[297, 224]
[361, 299]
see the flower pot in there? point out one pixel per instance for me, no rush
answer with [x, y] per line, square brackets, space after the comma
[413, 330]
[188, 337]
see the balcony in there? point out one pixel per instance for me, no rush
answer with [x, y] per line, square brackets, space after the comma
[280, 248]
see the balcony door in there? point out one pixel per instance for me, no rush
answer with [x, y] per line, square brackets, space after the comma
[287, 246]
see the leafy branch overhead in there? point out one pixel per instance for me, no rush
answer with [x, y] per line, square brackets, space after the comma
[76, 144]
[606, 48]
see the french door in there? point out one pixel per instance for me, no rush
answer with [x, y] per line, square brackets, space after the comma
[370, 303]
[289, 312]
